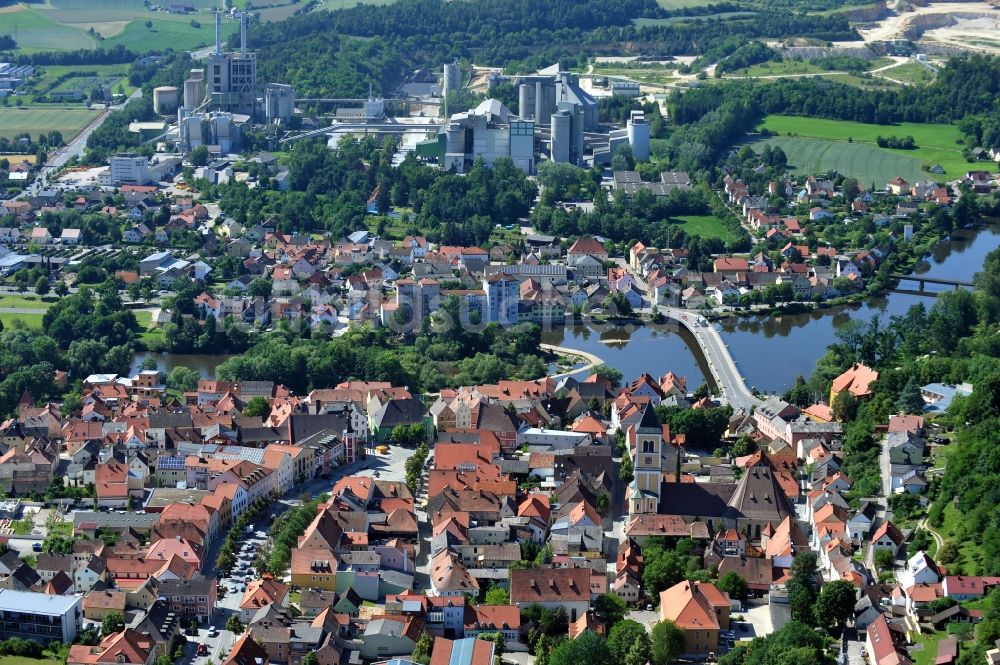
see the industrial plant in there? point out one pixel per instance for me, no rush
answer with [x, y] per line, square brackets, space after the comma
[556, 117]
[220, 99]
[556, 120]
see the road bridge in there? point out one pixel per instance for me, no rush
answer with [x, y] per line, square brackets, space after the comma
[727, 376]
[921, 281]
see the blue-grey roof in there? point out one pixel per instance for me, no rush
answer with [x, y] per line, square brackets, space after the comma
[36, 603]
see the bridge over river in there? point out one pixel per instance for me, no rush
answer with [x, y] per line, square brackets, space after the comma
[724, 371]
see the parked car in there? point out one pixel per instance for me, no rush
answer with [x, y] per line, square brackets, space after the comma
[202, 649]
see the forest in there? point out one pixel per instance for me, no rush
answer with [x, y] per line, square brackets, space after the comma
[521, 36]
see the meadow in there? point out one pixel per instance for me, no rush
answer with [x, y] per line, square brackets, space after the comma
[706, 226]
[807, 156]
[63, 25]
[937, 144]
[39, 120]
[36, 31]
[909, 72]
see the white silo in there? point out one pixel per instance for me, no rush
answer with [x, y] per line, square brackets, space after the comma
[638, 135]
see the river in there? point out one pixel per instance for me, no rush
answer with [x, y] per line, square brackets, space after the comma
[202, 363]
[770, 351]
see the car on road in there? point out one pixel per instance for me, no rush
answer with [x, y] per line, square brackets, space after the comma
[213, 632]
[36, 547]
[202, 649]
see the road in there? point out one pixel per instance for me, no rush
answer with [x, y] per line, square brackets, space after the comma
[727, 376]
[938, 540]
[74, 148]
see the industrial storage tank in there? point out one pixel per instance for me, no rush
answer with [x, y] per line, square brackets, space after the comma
[166, 99]
[562, 129]
[526, 101]
[452, 81]
[279, 102]
[638, 135]
[194, 89]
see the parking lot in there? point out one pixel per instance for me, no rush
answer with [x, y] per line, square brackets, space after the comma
[216, 638]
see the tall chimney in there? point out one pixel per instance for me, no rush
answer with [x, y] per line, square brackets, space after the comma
[243, 33]
[218, 33]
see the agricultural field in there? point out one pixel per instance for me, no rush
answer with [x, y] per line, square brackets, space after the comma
[867, 163]
[39, 120]
[35, 30]
[706, 226]
[81, 78]
[166, 33]
[937, 144]
[62, 25]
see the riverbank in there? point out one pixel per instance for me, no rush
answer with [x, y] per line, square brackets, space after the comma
[590, 359]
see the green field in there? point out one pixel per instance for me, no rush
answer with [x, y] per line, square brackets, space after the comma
[909, 72]
[37, 120]
[165, 34]
[66, 24]
[35, 31]
[780, 67]
[28, 302]
[30, 321]
[21, 660]
[937, 144]
[867, 163]
[706, 226]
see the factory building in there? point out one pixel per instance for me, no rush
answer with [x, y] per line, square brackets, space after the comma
[279, 102]
[232, 77]
[217, 128]
[490, 131]
[129, 170]
[540, 94]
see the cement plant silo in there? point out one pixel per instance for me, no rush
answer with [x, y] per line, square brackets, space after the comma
[279, 102]
[562, 132]
[452, 81]
[526, 101]
[638, 135]
[166, 98]
[194, 89]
